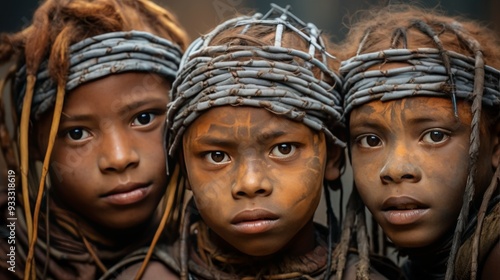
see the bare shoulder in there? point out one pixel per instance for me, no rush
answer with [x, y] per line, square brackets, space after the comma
[491, 269]
[154, 270]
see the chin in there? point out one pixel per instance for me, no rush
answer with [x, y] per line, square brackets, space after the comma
[408, 240]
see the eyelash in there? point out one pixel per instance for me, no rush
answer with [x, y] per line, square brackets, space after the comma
[209, 156]
[445, 134]
[293, 150]
[363, 138]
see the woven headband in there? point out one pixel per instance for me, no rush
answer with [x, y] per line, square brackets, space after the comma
[425, 75]
[100, 56]
[257, 76]
[430, 71]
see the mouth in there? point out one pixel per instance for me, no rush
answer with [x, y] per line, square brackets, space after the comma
[129, 193]
[402, 203]
[403, 210]
[254, 221]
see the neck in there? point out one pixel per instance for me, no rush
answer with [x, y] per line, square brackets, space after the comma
[428, 262]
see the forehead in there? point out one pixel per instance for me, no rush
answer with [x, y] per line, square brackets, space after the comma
[242, 120]
[414, 107]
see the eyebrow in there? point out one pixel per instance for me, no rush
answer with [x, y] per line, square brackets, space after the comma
[224, 142]
[124, 108]
[136, 104]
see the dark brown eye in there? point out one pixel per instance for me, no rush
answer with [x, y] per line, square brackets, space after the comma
[143, 119]
[435, 137]
[77, 134]
[283, 150]
[372, 141]
[368, 141]
[217, 157]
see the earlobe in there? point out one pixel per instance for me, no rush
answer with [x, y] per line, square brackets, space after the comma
[335, 158]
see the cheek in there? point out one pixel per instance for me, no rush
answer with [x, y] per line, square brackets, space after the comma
[207, 191]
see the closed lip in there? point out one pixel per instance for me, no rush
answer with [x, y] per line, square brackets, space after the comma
[402, 203]
[125, 188]
[253, 215]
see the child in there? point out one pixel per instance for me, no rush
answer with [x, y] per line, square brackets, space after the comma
[253, 133]
[422, 100]
[89, 86]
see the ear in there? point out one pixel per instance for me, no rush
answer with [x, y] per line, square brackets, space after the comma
[495, 158]
[334, 162]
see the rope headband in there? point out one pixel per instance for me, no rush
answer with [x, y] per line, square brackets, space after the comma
[257, 76]
[98, 57]
[430, 72]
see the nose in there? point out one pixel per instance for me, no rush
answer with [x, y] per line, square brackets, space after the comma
[252, 180]
[118, 152]
[401, 166]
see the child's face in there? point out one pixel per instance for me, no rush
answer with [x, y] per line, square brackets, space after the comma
[256, 177]
[108, 163]
[410, 163]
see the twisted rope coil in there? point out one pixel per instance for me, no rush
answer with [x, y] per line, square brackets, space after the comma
[430, 72]
[258, 76]
[100, 56]
[425, 75]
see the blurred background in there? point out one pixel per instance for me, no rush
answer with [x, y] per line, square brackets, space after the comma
[332, 16]
[199, 16]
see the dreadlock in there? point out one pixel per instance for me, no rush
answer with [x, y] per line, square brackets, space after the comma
[446, 56]
[44, 51]
[272, 61]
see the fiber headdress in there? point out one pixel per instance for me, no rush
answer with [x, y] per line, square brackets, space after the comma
[286, 81]
[100, 56]
[258, 76]
[434, 72]
[89, 59]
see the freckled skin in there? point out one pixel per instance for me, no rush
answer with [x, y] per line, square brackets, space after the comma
[407, 162]
[255, 176]
[115, 148]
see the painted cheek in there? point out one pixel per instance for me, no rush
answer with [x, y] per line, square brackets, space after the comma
[207, 195]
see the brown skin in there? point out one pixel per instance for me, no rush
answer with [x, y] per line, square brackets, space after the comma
[416, 151]
[110, 138]
[247, 159]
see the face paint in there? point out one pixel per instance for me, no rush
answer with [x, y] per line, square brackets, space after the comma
[256, 177]
[410, 162]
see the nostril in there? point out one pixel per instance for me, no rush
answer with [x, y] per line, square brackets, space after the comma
[387, 178]
[261, 191]
[407, 176]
